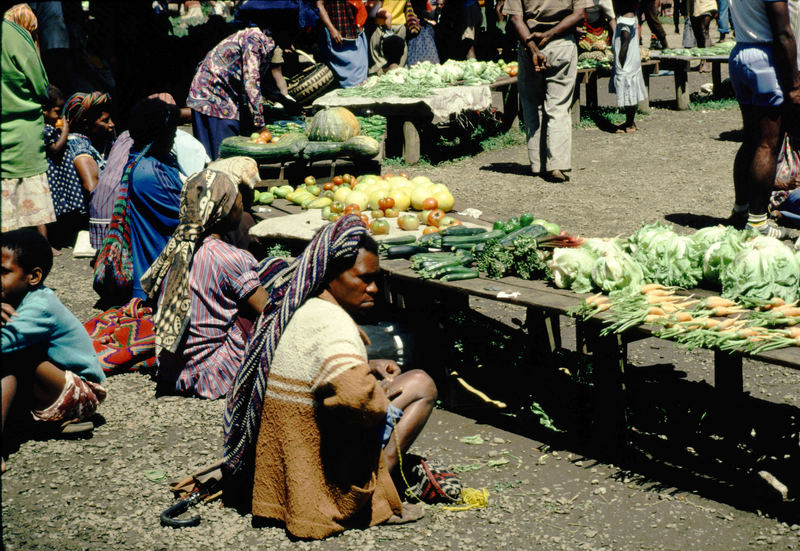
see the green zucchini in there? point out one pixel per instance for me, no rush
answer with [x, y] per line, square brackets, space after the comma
[461, 230]
[404, 251]
[287, 148]
[531, 231]
[401, 240]
[451, 240]
[457, 276]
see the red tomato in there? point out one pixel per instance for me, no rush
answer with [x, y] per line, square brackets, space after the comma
[512, 72]
[266, 135]
[310, 180]
[404, 175]
[347, 177]
[260, 140]
[435, 217]
[337, 207]
[337, 180]
[385, 203]
[366, 220]
[328, 185]
[388, 175]
[352, 209]
[430, 204]
[430, 229]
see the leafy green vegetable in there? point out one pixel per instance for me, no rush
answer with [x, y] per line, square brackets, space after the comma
[522, 259]
[617, 271]
[721, 253]
[572, 268]
[665, 256]
[763, 269]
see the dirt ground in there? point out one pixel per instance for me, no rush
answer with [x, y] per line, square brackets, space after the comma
[547, 490]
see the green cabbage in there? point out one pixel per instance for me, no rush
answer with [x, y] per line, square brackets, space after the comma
[599, 246]
[666, 257]
[572, 268]
[617, 272]
[720, 254]
[763, 269]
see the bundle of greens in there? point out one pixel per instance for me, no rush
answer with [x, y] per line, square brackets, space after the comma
[421, 79]
[522, 259]
[665, 257]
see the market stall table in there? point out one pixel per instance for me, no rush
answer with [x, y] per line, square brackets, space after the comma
[681, 64]
[405, 117]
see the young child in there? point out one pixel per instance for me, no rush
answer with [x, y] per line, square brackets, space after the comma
[48, 358]
[56, 127]
[626, 80]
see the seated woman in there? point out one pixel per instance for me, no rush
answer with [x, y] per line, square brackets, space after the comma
[146, 209]
[189, 153]
[73, 172]
[311, 427]
[208, 292]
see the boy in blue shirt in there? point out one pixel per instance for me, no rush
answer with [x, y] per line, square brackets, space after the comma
[48, 357]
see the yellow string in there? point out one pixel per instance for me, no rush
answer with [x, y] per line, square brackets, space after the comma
[471, 498]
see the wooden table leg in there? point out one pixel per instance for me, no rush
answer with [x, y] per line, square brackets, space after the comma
[591, 90]
[728, 378]
[544, 335]
[681, 71]
[575, 108]
[393, 145]
[716, 76]
[411, 143]
[609, 404]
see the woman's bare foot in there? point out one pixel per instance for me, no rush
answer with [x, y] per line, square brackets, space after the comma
[56, 252]
[622, 129]
[412, 512]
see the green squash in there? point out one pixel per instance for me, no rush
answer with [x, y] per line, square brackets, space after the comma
[334, 124]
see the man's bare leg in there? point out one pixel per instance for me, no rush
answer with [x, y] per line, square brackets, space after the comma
[755, 163]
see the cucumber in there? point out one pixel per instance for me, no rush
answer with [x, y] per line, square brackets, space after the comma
[362, 147]
[460, 275]
[451, 240]
[318, 151]
[531, 231]
[404, 251]
[401, 240]
[461, 230]
[288, 148]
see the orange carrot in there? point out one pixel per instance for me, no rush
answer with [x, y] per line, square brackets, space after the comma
[656, 311]
[725, 311]
[788, 311]
[650, 287]
[719, 302]
[603, 307]
[683, 316]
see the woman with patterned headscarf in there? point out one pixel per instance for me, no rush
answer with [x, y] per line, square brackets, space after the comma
[23, 15]
[208, 292]
[73, 174]
[312, 427]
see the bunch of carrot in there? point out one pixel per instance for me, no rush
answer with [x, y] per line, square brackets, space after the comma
[711, 322]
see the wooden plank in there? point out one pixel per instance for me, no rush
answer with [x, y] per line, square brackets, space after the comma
[716, 75]
[681, 77]
[591, 90]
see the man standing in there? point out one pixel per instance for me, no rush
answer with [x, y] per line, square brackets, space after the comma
[26, 196]
[548, 65]
[764, 73]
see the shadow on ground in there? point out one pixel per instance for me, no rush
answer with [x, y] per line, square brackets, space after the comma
[676, 432]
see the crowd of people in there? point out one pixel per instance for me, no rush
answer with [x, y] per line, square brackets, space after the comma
[308, 414]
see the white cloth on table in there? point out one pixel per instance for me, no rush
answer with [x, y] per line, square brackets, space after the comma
[627, 81]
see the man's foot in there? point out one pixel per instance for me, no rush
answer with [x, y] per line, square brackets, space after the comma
[622, 129]
[768, 228]
[704, 67]
[412, 512]
[556, 176]
[737, 219]
[722, 38]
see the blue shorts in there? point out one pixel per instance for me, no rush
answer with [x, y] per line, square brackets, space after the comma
[755, 81]
[393, 415]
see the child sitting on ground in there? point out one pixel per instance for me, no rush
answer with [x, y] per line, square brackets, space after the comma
[48, 358]
[56, 127]
[627, 81]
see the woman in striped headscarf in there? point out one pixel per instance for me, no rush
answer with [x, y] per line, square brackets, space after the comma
[312, 428]
[73, 175]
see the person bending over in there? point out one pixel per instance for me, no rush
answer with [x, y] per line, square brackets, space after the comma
[766, 81]
[208, 292]
[48, 358]
[307, 419]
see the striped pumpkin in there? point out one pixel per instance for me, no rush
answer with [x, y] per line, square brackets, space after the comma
[334, 124]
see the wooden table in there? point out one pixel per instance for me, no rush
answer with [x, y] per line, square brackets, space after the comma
[405, 121]
[681, 65]
[544, 305]
[589, 77]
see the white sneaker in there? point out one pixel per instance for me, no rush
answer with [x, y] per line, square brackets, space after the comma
[768, 228]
